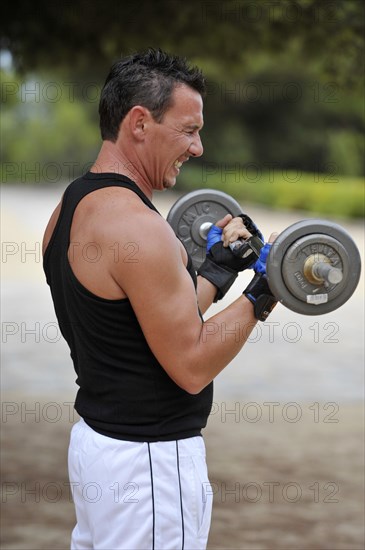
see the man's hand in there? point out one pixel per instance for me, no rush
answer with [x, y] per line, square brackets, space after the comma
[260, 265]
[258, 291]
[228, 230]
[244, 246]
[222, 265]
[233, 229]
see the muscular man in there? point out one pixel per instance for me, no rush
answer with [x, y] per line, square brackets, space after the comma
[130, 307]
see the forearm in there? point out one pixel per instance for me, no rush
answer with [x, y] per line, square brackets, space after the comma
[206, 293]
[221, 338]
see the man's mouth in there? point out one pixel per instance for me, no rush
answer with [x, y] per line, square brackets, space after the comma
[178, 164]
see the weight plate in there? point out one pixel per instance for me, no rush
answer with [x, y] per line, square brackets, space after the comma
[193, 210]
[285, 266]
[312, 246]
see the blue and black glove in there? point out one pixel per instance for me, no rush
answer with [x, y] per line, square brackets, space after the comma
[222, 264]
[258, 291]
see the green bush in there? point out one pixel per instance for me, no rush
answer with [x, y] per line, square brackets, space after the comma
[45, 141]
[318, 194]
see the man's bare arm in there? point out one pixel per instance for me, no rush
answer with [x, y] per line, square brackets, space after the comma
[163, 297]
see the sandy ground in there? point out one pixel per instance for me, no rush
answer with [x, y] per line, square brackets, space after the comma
[285, 440]
[277, 485]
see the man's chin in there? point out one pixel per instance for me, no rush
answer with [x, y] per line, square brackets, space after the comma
[168, 184]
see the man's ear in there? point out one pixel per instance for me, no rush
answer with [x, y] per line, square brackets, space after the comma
[139, 119]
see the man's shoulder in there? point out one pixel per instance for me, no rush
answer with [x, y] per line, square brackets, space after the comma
[122, 212]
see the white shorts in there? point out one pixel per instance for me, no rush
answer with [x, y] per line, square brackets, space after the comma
[138, 496]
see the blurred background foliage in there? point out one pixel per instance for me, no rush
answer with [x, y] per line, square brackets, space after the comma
[284, 115]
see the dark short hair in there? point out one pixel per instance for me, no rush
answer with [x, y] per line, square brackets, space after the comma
[148, 79]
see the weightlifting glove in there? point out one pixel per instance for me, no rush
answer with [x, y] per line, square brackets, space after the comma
[243, 249]
[259, 265]
[215, 234]
[213, 269]
[251, 226]
[258, 291]
[222, 264]
[238, 256]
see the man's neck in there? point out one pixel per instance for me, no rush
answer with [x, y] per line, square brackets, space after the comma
[112, 160]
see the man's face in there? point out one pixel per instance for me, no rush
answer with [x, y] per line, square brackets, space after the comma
[176, 138]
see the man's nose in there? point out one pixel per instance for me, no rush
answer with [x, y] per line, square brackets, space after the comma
[196, 147]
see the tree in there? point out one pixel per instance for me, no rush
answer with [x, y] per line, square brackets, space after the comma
[255, 54]
[226, 35]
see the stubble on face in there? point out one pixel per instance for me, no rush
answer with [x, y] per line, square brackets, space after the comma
[179, 129]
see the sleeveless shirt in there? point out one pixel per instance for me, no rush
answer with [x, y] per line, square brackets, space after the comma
[123, 392]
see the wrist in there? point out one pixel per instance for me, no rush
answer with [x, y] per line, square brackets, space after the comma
[220, 276]
[260, 295]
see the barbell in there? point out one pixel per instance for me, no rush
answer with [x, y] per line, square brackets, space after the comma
[313, 266]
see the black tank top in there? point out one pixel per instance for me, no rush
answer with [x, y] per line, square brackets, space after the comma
[124, 392]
